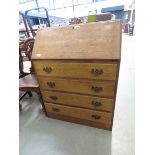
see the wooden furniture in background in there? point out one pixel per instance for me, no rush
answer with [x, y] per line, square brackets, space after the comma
[28, 81]
[77, 67]
[103, 17]
[25, 48]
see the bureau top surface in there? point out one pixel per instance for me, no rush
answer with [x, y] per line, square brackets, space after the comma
[98, 40]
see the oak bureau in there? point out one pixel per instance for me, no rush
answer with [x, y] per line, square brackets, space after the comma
[77, 68]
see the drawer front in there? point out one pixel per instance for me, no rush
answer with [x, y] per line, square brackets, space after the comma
[91, 115]
[78, 100]
[76, 70]
[105, 88]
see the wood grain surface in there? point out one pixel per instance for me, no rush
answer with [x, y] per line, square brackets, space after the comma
[98, 40]
[80, 121]
[91, 115]
[84, 101]
[101, 71]
[77, 67]
[105, 88]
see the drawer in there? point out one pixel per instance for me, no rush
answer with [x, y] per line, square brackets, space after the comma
[78, 100]
[105, 88]
[76, 70]
[91, 115]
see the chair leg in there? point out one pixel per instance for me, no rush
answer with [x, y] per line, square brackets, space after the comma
[29, 93]
[22, 96]
[20, 107]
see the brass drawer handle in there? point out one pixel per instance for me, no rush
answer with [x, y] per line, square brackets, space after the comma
[97, 72]
[55, 109]
[47, 70]
[97, 89]
[96, 104]
[54, 97]
[96, 117]
[51, 84]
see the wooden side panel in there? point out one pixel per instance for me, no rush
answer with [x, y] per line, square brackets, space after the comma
[76, 70]
[91, 102]
[98, 40]
[91, 115]
[105, 88]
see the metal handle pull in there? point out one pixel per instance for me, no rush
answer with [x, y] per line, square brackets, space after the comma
[97, 72]
[51, 84]
[96, 117]
[97, 89]
[55, 109]
[54, 98]
[96, 104]
[47, 70]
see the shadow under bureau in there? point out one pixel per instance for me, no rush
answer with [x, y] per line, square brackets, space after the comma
[77, 68]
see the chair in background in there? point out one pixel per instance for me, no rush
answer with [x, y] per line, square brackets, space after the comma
[27, 81]
[26, 48]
